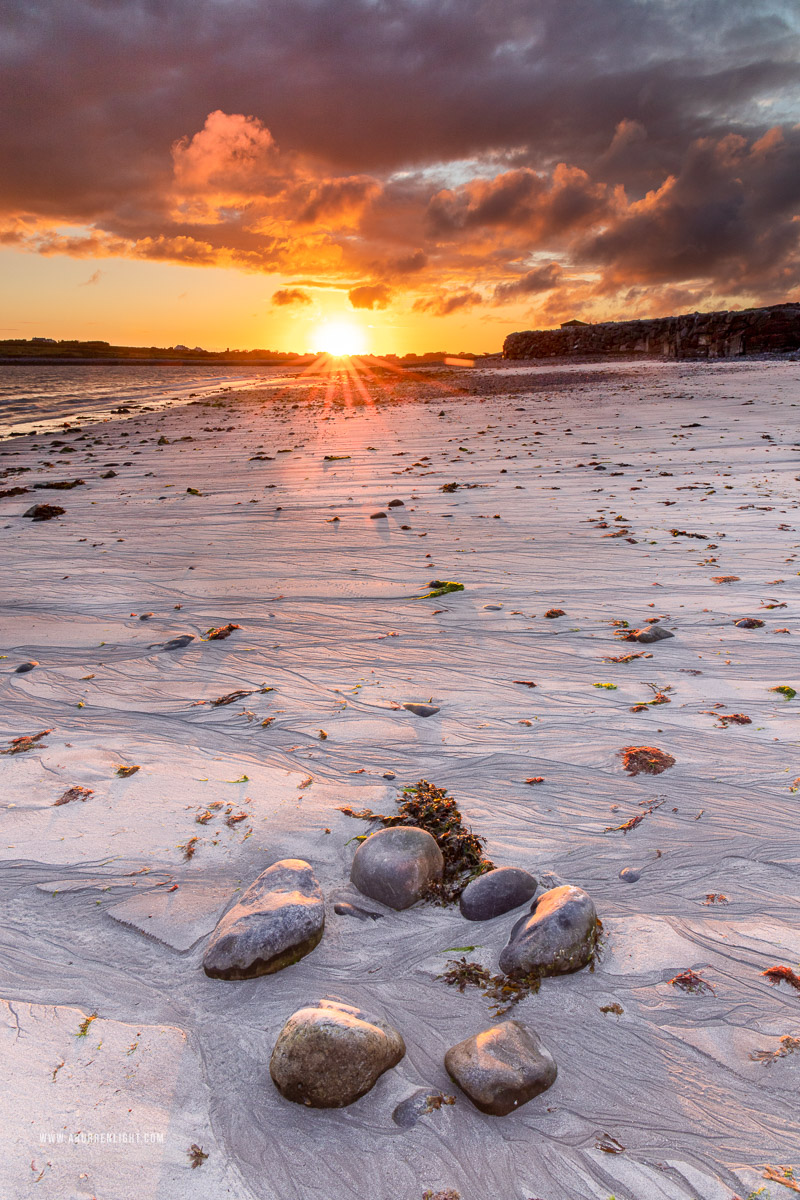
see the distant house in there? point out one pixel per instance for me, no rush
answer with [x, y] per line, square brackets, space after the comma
[573, 323]
[52, 340]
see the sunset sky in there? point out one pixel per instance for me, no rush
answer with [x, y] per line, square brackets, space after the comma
[432, 174]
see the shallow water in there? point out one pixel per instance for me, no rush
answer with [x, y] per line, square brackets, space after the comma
[38, 396]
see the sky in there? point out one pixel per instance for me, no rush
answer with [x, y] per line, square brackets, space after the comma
[400, 175]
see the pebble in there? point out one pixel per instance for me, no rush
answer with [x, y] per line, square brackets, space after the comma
[501, 1068]
[277, 920]
[23, 668]
[397, 866]
[420, 710]
[651, 633]
[329, 1054]
[343, 909]
[417, 1105]
[558, 936]
[630, 874]
[496, 892]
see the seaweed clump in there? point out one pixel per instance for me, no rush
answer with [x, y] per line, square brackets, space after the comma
[647, 760]
[503, 991]
[430, 808]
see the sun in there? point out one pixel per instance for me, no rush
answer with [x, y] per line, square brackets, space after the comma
[340, 339]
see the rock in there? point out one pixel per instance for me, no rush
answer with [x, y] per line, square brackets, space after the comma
[109, 475]
[501, 1068]
[492, 607]
[557, 937]
[377, 516]
[496, 892]
[343, 909]
[397, 866]
[178, 643]
[417, 1105]
[277, 921]
[420, 710]
[23, 668]
[396, 504]
[630, 874]
[742, 623]
[43, 512]
[651, 633]
[329, 1054]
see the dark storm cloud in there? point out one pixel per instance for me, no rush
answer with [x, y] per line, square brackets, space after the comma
[427, 143]
[540, 279]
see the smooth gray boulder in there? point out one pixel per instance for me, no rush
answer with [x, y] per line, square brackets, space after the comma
[558, 936]
[501, 1068]
[329, 1054]
[496, 892]
[278, 920]
[397, 866]
[652, 633]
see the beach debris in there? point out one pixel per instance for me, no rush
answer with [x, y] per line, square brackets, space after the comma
[61, 485]
[552, 613]
[782, 975]
[73, 793]
[716, 898]
[219, 632]
[726, 719]
[43, 512]
[420, 1104]
[329, 1054]
[784, 1175]
[125, 772]
[558, 936]
[343, 909]
[615, 1008]
[449, 1193]
[685, 533]
[23, 668]
[277, 920]
[189, 849]
[13, 491]
[397, 866]
[525, 683]
[788, 1045]
[725, 578]
[420, 710]
[609, 1144]
[26, 741]
[748, 623]
[635, 820]
[611, 687]
[496, 892]
[430, 808]
[692, 982]
[646, 760]
[501, 1068]
[83, 1028]
[231, 697]
[626, 658]
[783, 689]
[441, 587]
[197, 1155]
[335, 457]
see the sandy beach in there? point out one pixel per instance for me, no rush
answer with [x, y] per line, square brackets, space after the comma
[615, 493]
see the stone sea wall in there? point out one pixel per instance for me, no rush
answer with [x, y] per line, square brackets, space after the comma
[694, 335]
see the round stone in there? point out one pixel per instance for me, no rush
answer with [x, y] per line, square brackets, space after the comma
[496, 892]
[397, 866]
[558, 936]
[329, 1054]
[501, 1068]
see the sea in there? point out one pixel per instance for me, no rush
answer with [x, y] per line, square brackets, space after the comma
[41, 397]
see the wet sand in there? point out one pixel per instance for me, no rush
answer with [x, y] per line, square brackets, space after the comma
[550, 464]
